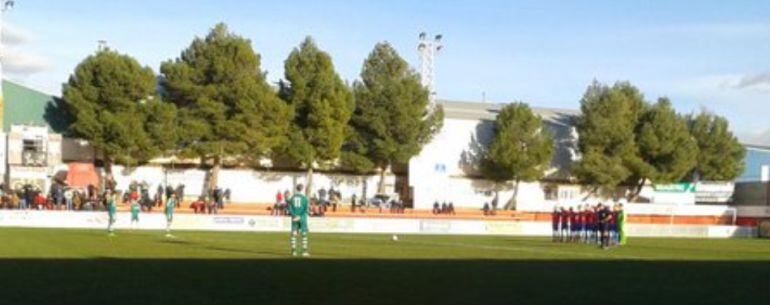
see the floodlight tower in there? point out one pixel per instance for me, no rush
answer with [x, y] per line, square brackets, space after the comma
[428, 49]
[5, 5]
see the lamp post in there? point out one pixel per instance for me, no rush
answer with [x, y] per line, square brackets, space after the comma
[428, 49]
[6, 5]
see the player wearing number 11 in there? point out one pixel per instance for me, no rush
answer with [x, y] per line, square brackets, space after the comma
[298, 209]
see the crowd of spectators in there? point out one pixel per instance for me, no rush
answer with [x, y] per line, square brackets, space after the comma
[90, 198]
[443, 208]
[325, 200]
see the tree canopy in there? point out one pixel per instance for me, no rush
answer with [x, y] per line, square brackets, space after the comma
[665, 144]
[110, 99]
[721, 156]
[226, 106]
[322, 105]
[391, 121]
[521, 149]
[606, 129]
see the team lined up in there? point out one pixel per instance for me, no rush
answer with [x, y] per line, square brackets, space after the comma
[601, 224]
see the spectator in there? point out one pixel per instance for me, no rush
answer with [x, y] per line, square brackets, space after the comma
[77, 200]
[211, 205]
[158, 200]
[278, 205]
[169, 191]
[451, 208]
[14, 200]
[198, 206]
[68, 198]
[39, 201]
[179, 194]
[436, 208]
[334, 200]
[22, 199]
[486, 208]
[443, 208]
[353, 203]
[227, 195]
[219, 199]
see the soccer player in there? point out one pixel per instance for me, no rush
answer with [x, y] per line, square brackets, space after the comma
[590, 224]
[111, 210]
[169, 210]
[622, 225]
[135, 213]
[573, 224]
[564, 224]
[604, 226]
[554, 223]
[298, 210]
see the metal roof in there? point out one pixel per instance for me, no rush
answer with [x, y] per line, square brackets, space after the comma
[27, 106]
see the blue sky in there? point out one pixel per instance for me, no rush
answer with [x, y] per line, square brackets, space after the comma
[701, 54]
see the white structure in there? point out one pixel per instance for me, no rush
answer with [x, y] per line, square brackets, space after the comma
[373, 225]
[32, 155]
[428, 49]
[445, 168]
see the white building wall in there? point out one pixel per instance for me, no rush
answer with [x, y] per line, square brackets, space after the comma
[246, 186]
[437, 174]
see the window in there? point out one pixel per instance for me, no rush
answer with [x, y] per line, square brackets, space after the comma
[33, 153]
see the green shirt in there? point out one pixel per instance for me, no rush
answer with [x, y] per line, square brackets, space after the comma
[134, 209]
[298, 206]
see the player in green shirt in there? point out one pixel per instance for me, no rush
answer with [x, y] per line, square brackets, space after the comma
[622, 225]
[169, 210]
[134, 213]
[298, 210]
[111, 210]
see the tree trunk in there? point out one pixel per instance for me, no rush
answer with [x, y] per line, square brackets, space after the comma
[214, 174]
[511, 204]
[381, 184]
[108, 177]
[309, 181]
[637, 189]
[591, 193]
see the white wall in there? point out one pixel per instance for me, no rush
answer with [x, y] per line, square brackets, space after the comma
[98, 220]
[246, 186]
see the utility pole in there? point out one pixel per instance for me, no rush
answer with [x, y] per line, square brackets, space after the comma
[6, 5]
[428, 49]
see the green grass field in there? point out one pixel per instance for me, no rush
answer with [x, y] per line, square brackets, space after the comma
[40, 266]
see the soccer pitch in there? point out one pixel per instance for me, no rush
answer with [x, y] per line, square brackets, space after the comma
[40, 266]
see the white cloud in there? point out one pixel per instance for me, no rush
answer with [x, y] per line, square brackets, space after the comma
[758, 138]
[13, 35]
[15, 62]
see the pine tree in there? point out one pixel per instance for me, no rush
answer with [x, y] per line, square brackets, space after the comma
[721, 155]
[606, 129]
[520, 151]
[391, 121]
[105, 100]
[226, 107]
[665, 144]
[322, 105]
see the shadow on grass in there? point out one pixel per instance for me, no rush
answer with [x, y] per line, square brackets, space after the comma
[368, 282]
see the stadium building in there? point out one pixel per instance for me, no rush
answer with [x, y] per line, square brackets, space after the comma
[35, 153]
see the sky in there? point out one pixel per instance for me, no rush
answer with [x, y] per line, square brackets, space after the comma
[712, 55]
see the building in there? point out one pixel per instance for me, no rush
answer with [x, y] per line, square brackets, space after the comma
[30, 141]
[444, 170]
[753, 186]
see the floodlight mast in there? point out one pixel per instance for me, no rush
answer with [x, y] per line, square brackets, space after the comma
[428, 49]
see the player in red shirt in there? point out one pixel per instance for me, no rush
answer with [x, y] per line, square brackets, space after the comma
[574, 224]
[555, 219]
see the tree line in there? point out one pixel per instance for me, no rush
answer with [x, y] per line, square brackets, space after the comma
[213, 103]
[624, 143]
